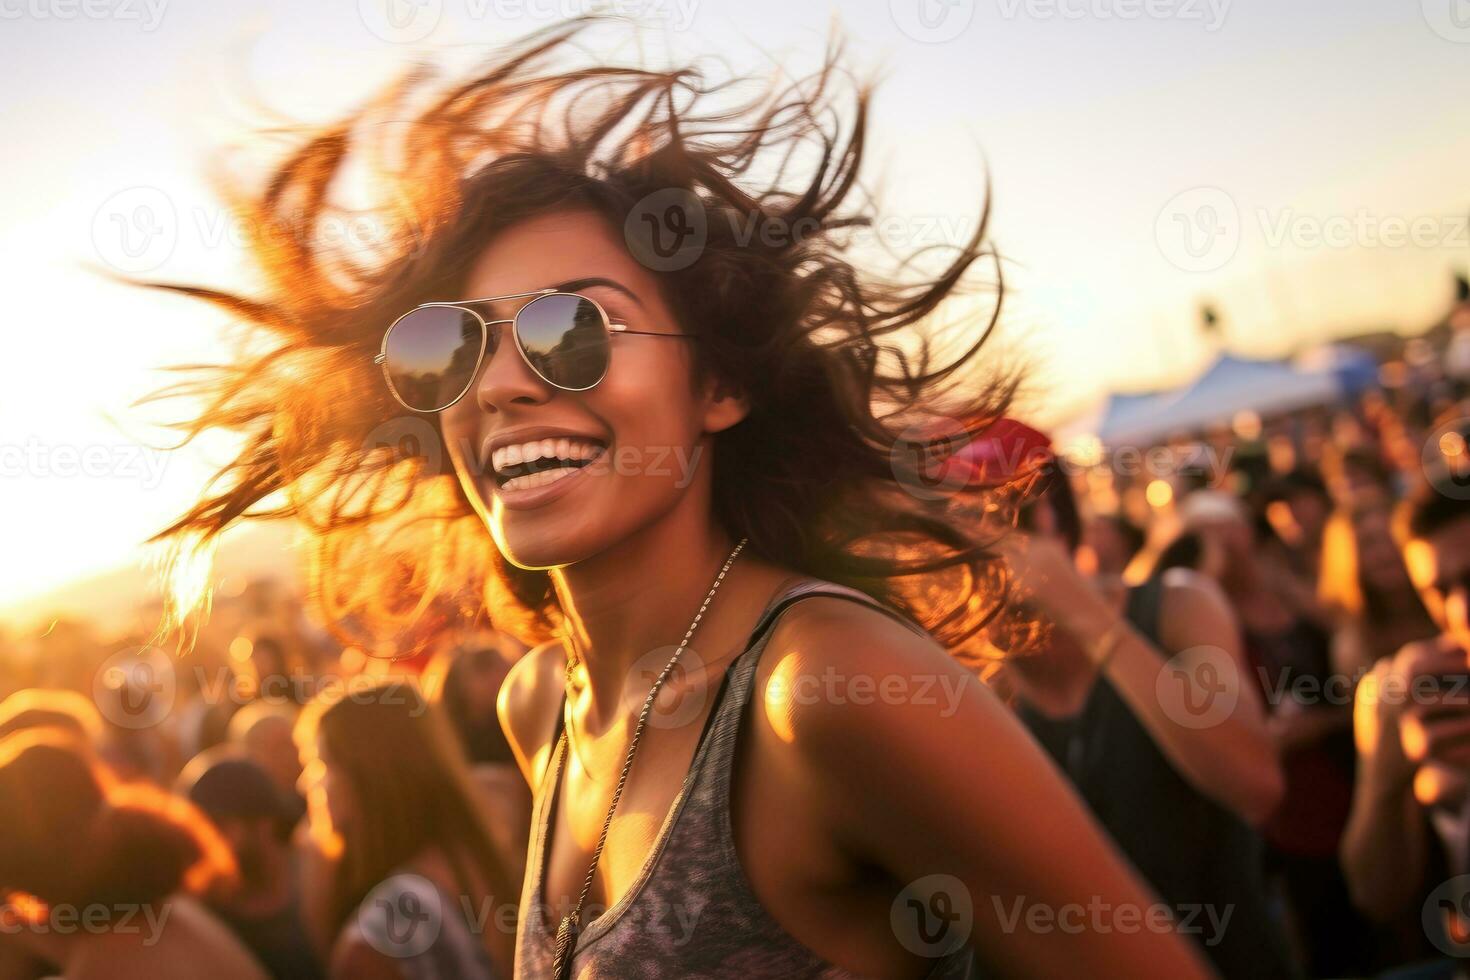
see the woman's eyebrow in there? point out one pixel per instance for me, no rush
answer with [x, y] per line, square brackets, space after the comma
[571, 286]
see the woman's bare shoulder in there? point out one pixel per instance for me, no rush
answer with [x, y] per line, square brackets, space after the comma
[832, 663]
[528, 704]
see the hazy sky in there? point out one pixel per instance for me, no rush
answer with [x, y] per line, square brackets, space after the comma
[1302, 164]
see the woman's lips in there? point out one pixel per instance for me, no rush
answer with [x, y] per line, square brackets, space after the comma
[525, 493]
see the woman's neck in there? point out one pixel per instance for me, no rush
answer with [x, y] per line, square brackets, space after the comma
[637, 597]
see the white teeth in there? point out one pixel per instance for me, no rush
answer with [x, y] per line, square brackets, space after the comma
[565, 447]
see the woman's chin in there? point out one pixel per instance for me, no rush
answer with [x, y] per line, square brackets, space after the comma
[536, 551]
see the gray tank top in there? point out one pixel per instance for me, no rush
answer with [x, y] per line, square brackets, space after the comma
[691, 911]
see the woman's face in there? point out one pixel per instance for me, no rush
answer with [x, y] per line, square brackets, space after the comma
[645, 423]
[329, 798]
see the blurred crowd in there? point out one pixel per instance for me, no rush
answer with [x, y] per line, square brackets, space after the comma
[1302, 757]
[277, 804]
[270, 804]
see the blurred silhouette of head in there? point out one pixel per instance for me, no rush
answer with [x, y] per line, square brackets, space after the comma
[81, 838]
[465, 678]
[263, 731]
[1220, 523]
[45, 708]
[1437, 551]
[240, 799]
[1362, 571]
[1114, 541]
[1297, 506]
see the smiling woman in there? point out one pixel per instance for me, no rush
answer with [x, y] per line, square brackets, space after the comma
[656, 171]
[652, 396]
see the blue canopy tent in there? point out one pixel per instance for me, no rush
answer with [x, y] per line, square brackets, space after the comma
[1230, 386]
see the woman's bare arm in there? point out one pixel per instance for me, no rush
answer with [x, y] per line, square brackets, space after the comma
[947, 782]
[1233, 758]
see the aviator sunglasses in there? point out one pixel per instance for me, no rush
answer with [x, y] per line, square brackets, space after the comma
[431, 355]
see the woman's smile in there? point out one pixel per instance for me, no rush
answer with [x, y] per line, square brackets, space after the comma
[529, 467]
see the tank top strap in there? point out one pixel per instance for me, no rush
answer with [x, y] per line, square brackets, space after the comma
[739, 681]
[807, 588]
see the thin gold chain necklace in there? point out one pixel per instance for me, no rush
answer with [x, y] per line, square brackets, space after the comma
[567, 931]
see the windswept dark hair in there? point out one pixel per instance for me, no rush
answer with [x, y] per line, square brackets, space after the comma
[834, 473]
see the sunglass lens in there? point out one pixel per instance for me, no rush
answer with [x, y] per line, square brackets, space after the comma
[432, 356]
[565, 340]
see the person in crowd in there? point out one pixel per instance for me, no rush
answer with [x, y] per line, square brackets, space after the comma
[465, 677]
[140, 741]
[276, 670]
[1360, 475]
[39, 707]
[1289, 659]
[263, 904]
[1366, 586]
[1179, 798]
[65, 713]
[264, 732]
[1113, 541]
[101, 879]
[1408, 822]
[1296, 507]
[419, 890]
[685, 433]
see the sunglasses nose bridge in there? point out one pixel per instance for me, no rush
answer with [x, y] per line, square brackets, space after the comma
[507, 378]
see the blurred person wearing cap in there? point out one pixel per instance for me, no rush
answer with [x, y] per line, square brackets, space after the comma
[1289, 661]
[263, 907]
[1177, 797]
[1412, 725]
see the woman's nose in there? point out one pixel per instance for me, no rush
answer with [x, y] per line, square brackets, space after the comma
[505, 377]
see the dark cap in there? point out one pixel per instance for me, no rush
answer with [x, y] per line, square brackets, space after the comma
[231, 787]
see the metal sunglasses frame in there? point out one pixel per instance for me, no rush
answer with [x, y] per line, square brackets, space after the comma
[609, 325]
